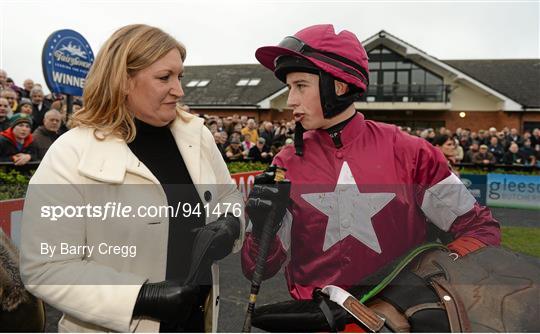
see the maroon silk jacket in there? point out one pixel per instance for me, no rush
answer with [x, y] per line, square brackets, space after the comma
[356, 208]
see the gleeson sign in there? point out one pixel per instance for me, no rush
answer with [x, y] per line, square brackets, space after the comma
[66, 60]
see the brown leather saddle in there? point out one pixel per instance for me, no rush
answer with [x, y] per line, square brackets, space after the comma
[490, 290]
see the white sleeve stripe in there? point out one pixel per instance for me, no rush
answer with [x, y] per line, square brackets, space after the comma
[284, 232]
[447, 200]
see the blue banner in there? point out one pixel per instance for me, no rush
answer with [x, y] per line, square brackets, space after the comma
[66, 60]
[513, 191]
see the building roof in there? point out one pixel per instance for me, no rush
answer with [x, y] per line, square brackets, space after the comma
[412, 52]
[223, 91]
[518, 79]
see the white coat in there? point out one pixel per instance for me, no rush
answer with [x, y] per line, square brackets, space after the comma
[98, 292]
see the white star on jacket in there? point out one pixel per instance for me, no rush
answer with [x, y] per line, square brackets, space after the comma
[349, 211]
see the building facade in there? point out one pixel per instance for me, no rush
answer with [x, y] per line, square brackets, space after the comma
[408, 87]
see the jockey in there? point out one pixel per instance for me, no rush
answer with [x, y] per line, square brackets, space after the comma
[363, 193]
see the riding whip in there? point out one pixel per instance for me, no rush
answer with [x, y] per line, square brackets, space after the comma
[265, 241]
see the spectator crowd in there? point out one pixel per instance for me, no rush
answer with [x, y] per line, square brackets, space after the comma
[486, 147]
[30, 122]
[241, 139]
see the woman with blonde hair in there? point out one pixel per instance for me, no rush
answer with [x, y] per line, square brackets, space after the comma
[90, 244]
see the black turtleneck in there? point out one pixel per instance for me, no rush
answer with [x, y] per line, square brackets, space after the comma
[335, 131]
[157, 149]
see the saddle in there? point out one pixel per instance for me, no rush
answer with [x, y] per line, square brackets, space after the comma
[489, 290]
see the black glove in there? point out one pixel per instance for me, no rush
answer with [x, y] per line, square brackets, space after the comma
[267, 195]
[166, 301]
[301, 316]
[226, 231]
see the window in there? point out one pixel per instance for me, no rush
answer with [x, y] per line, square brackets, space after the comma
[198, 83]
[248, 82]
[203, 83]
[242, 82]
[418, 77]
[388, 64]
[397, 79]
[405, 64]
[374, 65]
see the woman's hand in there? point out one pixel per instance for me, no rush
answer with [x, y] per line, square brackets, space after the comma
[226, 230]
[166, 301]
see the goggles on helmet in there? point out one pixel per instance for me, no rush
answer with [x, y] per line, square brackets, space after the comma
[294, 44]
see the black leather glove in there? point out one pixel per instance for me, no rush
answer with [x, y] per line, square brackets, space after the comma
[166, 301]
[301, 316]
[226, 231]
[267, 195]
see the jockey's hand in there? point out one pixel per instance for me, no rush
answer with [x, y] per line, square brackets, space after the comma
[166, 301]
[266, 196]
[301, 316]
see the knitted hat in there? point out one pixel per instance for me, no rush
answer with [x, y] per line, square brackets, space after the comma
[20, 118]
[24, 101]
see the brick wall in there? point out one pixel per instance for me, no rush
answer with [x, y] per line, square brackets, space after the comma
[472, 120]
[483, 120]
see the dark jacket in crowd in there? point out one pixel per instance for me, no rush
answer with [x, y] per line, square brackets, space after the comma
[516, 139]
[221, 149]
[510, 158]
[468, 157]
[268, 136]
[9, 146]
[255, 154]
[24, 93]
[479, 157]
[237, 154]
[39, 114]
[497, 151]
[535, 141]
[4, 125]
[43, 139]
[528, 154]
[63, 129]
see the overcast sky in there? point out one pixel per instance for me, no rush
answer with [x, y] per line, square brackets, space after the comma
[229, 31]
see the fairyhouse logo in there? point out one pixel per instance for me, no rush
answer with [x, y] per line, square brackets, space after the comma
[66, 60]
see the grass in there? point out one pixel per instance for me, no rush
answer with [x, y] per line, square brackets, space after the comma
[522, 239]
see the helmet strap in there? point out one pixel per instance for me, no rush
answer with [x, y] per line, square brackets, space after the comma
[299, 139]
[333, 104]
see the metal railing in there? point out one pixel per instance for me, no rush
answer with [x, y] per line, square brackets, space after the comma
[408, 93]
[491, 167]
